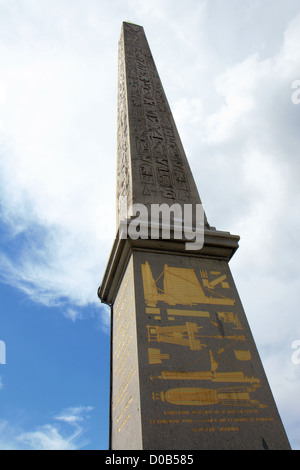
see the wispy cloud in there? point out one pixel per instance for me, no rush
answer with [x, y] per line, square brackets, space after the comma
[72, 314]
[74, 415]
[65, 433]
[48, 438]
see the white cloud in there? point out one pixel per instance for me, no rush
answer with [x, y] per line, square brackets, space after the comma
[49, 436]
[252, 91]
[72, 314]
[52, 158]
[56, 149]
[74, 415]
[7, 437]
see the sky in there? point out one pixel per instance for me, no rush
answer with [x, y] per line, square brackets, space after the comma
[229, 69]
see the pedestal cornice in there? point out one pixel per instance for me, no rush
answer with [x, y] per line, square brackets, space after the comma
[217, 245]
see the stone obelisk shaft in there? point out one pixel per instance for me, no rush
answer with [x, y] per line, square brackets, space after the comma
[152, 166]
[185, 371]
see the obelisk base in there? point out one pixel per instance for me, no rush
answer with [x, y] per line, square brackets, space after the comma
[186, 373]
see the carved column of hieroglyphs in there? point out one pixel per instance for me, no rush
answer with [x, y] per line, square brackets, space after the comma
[152, 166]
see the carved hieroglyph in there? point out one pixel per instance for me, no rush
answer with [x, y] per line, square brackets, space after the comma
[151, 164]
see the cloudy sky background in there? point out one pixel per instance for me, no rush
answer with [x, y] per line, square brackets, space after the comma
[227, 67]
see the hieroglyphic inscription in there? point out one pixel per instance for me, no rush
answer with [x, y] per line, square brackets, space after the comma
[199, 360]
[152, 166]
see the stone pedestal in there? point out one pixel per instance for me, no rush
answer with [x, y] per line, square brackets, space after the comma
[186, 373]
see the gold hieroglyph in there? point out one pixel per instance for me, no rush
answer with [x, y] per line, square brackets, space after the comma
[231, 396]
[180, 287]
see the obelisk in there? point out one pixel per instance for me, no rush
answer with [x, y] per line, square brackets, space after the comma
[185, 371]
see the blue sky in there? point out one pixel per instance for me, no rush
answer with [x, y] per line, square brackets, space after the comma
[229, 86]
[55, 369]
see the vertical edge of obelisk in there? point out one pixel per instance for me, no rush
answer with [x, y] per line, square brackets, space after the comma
[124, 167]
[278, 426]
